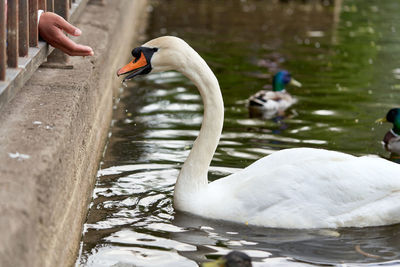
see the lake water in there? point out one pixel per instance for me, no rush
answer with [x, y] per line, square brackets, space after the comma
[347, 56]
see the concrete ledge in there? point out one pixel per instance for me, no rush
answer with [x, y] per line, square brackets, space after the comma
[52, 135]
[17, 77]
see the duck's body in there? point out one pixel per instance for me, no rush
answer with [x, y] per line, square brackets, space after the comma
[293, 188]
[269, 103]
[391, 140]
[275, 101]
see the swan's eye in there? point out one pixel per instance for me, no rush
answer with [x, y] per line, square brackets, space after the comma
[136, 53]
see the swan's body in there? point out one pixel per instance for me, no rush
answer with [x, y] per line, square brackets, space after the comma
[305, 188]
[269, 103]
[391, 140]
[293, 188]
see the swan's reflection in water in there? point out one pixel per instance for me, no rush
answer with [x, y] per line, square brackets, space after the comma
[320, 246]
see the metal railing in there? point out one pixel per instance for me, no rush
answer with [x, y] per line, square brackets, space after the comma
[21, 52]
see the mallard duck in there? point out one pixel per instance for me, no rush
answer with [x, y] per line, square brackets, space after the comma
[291, 188]
[232, 259]
[391, 140]
[269, 103]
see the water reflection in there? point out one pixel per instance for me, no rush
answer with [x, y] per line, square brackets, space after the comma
[306, 246]
[346, 58]
[144, 229]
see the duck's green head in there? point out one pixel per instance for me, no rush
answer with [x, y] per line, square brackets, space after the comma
[281, 79]
[393, 116]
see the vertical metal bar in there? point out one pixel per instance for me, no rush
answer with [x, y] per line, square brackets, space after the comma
[23, 28]
[12, 34]
[42, 4]
[61, 7]
[50, 5]
[3, 54]
[33, 27]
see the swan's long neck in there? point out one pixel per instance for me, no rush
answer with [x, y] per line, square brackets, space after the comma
[193, 175]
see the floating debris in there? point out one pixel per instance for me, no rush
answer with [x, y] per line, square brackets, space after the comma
[18, 156]
[315, 34]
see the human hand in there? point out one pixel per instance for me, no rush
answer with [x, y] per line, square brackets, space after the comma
[51, 27]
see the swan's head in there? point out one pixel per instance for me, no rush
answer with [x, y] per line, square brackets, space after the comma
[281, 79]
[160, 54]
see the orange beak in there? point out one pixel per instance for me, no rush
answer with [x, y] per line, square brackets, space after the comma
[134, 65]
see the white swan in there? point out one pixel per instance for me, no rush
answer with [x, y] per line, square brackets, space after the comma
[292, 188]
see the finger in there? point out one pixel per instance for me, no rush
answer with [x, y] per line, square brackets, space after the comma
[67, 27]
[83, 50]
[71, 48]
[79, 52]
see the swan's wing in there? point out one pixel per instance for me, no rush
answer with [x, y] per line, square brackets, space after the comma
[303, 188]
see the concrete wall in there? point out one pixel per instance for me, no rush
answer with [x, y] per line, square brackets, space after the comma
[52, 136]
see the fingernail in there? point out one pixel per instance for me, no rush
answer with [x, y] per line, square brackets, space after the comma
[77, 32]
